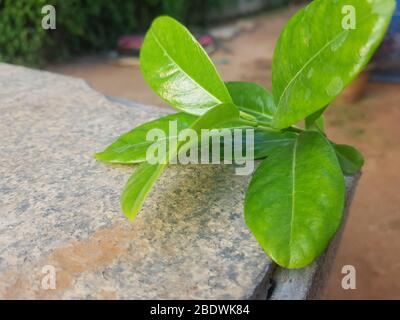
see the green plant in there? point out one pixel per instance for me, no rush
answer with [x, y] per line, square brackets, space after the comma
[95, 26]
[81, 26]
[21, 32]
[294, 203]
[84, 26]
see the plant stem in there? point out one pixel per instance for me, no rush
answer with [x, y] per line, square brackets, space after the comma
[252, 121]
[248, 117]
[249, 123]
[294, 129]
[267, 129]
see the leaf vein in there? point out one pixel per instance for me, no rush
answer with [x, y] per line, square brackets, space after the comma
[183, 71]
[294, 79]
[293, 197]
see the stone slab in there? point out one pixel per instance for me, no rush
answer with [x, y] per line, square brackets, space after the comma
[60, 207]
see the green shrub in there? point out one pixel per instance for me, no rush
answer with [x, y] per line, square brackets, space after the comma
[82, 26]
[85, 26]
[21, 34]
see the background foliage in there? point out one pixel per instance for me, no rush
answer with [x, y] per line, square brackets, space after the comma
[85, 26]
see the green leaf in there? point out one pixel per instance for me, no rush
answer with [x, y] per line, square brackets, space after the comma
[295, 201]
[138, 187]
[266, 142]
[317, 124]
[178, 69]
[131, 147]
[316, 57]
[252, 99]
[351, 160]
[222, 116]
[316, 121]
[143, 179]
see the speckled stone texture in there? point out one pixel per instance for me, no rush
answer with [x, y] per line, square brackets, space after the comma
[60, 207]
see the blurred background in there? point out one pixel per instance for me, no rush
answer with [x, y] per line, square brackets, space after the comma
[100, 40]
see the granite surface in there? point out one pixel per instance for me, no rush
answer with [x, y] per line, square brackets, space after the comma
[60, 207]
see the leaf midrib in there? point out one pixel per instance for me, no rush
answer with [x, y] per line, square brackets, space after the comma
[293, 198]
[265, 115]
[313, 58]
[148, 184]
[305, 66]
[180, 68]
[129, 145]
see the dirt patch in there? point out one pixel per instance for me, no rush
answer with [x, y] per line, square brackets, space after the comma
[371, 239]
[101, 249]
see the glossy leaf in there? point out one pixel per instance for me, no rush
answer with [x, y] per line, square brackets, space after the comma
[319, 53]
[252, 99]
[266, 142]
[178, 69]
[138, 187]
[316, 121]
[131, 147]
[295, 201]
[317, 124]
[222, 116]
[143, 179]
[320, 123]
[351, 160]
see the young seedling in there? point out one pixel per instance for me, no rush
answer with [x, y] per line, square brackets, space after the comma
[294, 203]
